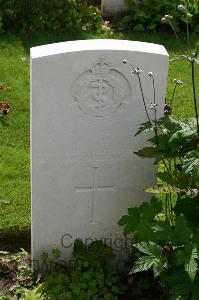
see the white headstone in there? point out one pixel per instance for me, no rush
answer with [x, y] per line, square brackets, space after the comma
[85, 109]
[112, 7]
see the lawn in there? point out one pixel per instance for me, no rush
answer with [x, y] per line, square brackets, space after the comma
[15, 138]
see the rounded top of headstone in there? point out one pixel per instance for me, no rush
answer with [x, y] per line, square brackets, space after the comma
[96, 44]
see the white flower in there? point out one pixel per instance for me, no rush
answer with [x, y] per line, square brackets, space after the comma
[182, 9]
[137, 71]
[178, 81]
[163, 20]
[150, 74]
[168, 17]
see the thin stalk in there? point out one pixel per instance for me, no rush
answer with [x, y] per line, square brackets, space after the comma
[165, 165]
[158, 217]
[173, 95]
[197, 52]
[171, 209]
[155, 111]
[188, 36]
[166, 207]
[180, 159]
[194, 93]
[174, 161]
[178, 40]
[170, 167]
[143, 99]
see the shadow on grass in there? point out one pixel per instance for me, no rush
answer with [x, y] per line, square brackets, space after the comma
[3, 121]
[166, 39]
[13, 241]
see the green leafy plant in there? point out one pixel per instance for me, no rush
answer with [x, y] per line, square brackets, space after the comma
[166, 230]
[57, 16]
[146, 14]
[89, 275]
[34, 294]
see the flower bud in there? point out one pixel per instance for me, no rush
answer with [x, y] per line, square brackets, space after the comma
[137, 71]
[178, 81]
[167, 109]
[163, 20]
[150, 74]
[182, 9]
[168, 17]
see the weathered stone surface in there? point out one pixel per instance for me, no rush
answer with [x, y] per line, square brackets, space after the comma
[85, 109]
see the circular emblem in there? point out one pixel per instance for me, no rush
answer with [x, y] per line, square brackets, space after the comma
[101, 90]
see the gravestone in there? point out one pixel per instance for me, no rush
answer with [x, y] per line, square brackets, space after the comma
[112, 7]
[85, 110]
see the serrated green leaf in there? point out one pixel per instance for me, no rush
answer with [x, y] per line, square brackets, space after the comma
[148, 210]
[159, 266]
[178, 282]
[195, 288]
[179, 257]
[186, 132]
[190, 166]
[143, 263]
[123, 221]
[143, 232]
[139, 218]
[162, 230]
[147, 126]
[34, 294]
[133, 211]
[191, 266]
[130, 221]
[190, 209]
[154, 258]
[182, 232]
[167, 177]
[149, 248]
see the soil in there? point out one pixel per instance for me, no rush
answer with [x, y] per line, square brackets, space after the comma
[7, 281]
[8, 275]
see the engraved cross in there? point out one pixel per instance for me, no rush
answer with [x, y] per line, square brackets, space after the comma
[94, 188]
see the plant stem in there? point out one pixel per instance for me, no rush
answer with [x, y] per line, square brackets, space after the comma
[188, 37]
[155, 111]
[174, 91]
[197, 52]
[166, 207]
[165, 165]
[194, 93]
[178, 40]
[143, 99]
[171, 209]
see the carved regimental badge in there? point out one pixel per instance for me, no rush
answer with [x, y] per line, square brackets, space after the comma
[101, 90]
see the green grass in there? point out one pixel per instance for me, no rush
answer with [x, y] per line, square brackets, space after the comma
[14, 130]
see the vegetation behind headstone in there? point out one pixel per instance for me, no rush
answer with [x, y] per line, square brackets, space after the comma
[57, 16]
[146, 14]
